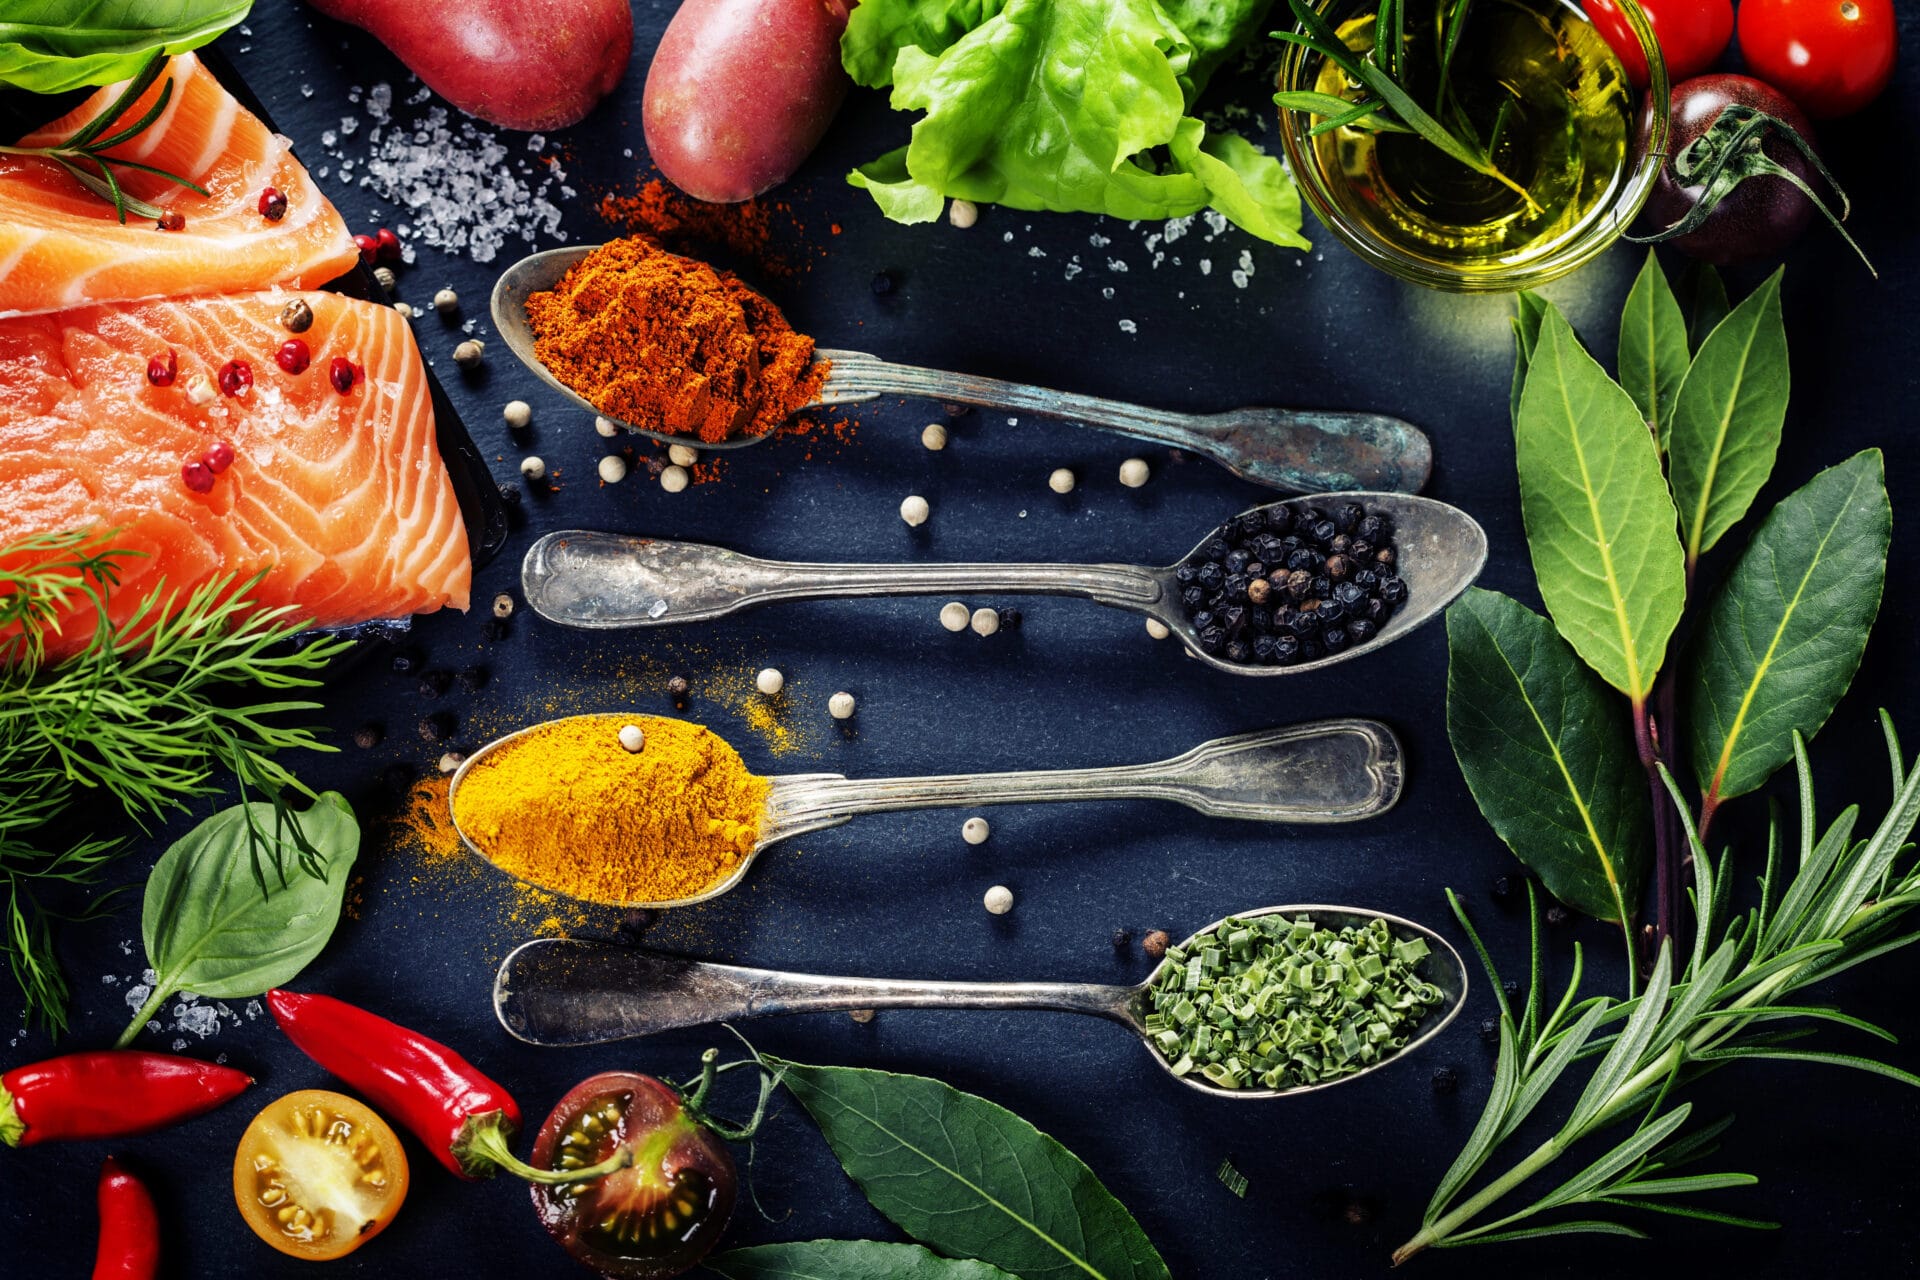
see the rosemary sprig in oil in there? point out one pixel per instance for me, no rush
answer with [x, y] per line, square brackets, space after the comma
[1386, 105]
[85, 156]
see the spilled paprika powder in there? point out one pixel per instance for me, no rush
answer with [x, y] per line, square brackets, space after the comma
[565, 806]
[672, 345]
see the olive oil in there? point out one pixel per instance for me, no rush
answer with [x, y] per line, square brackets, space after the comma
[1537, 87]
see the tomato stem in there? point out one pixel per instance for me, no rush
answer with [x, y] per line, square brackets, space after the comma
[482, 1149]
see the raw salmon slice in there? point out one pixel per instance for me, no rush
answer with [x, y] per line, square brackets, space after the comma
[343, 498]
[62, 246]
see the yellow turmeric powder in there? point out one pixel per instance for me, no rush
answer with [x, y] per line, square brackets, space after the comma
[567, 807]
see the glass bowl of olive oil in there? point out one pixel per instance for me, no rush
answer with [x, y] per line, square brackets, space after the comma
[1538, 91]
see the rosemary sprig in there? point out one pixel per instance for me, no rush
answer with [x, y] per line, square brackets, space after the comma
[144, 714]
[84, 154]
[1843, 906]
[1387, 105]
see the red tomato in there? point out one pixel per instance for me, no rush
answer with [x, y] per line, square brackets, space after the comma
[1692, 35]
[1832, 57]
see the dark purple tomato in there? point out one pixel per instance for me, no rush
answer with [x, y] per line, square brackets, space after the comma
[1764, 213]
[653, 1220]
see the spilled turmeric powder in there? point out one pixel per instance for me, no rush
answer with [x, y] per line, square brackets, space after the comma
[567, 807]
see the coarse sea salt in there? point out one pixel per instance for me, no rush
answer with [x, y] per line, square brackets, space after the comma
[462, 188]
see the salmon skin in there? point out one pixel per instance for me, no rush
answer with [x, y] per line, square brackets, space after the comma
[341, 498]
[61, 246]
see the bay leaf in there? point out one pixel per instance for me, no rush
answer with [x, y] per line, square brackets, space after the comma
[1653, 347]
[1703, 296]
[1784, 634]
[971, 1178]
[1526, 332]
[1599, 518]
[847, 1260]
[1547, 751]
[1727, 419]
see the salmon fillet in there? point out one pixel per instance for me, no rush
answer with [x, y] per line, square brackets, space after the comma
[62, 246]
[343, 498]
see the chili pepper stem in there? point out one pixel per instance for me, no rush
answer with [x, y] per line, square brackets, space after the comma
[154, 1002]
[12, 1128]
[482, 1150]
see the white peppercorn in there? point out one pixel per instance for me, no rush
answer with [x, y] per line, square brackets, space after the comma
[999, 900]
[1157, 629]
[605, 428]
[1061, 481]
[633, 737]
[985, 621]
[963, 213]
[770, 681]
[674, 479]
[1134, 472]
[682, 455]
[954, 616]
[446, 300]
[613, 469]
[840, 706]
[533, 467]
[934, 436]
[914, 510]
[469, 354]
[518, 414]
[975, 831]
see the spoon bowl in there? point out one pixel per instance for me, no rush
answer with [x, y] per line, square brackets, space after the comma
[602, 581]
[1300, 451]
[1327, 771]
[565, 992]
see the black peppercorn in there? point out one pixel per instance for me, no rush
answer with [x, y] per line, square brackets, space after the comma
[1263, 649]
[1335, 640]
[1216, 548]
[1503, 886]
[1358, 1213]
[882, 283]
[1393, 590]
[1347, 515]
[1261, 620]
[1445, 1080]
[1010, 619]
[1236, 561]
[1337, 567]
[434, 683]
[1340, 545]
[1249, 524]
[1384, 556]
[1310, 651]
[1299, 583]
[499, 628]
[1557, 915]
[434, 728]
[1301, 560]
[1366, 580]
[1376, 611]
[1123, 940]
[1331, 611]
[1235, 586]
[1234, 619]
[1359, 631]
[1155, 944]
[1279, 517]
[405, 662]
[368, 736]
[1306, 623]
[1212, 638]
[1193, 597]
[1238, 651]
[678, 689]
[1490, 1031]
[1286, 648]
[1203, 619]
[1184, 574]
[474, 679]
[1511, 987]
[510, 494]
[1360, 549]
[1255, 569]
[1372, 528]
[1322, 532]
[1349, 593]
[1212, 575]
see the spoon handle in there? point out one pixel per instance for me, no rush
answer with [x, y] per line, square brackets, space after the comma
[604, 580]
[1328, 771]
[1294, 451]
[564, 991]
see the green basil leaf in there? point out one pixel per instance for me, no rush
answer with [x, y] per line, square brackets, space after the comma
[1703, 296]
[1526, 333]
[1599, 518]
[1727, 418]
[1547, 752]
[209, 927]
[1653, 347]
[1785, 632]
[50, 46]
[971, 1178]
[847, 1260]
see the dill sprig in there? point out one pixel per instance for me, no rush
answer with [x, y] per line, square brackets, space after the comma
[84, 153]
[1847, 902]
[1385, 105]
[145, 714]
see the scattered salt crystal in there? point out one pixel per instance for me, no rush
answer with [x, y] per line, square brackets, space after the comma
[657, 609]
[1128, 326]
[348, 126]
[1074, 268]
[1007, 238]
[179, 1044]
[1099, 241]
[1115, 264]
[306, 91]
[1206, 266]
[1107, 292]
[1035, 251]
[329, 138]
[253, 1009]
[536, 142]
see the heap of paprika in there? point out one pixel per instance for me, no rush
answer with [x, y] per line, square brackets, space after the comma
[466, 1120]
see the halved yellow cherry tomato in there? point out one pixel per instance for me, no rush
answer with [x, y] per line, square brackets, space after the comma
[318, 1174]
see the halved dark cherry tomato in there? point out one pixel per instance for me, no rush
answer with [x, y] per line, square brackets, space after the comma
[318, 1174]
[1692, 35]
[653, 1220]
[1832, 57]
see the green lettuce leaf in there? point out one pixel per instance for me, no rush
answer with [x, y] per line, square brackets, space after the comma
[1069, 105]
[50, 46]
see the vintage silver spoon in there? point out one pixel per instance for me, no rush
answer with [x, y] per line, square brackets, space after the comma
[563, 991]
[606, 580]
[1325, 771]
[1297, 451]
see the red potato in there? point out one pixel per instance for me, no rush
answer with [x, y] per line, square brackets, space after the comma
[522, 64]
[741, 91]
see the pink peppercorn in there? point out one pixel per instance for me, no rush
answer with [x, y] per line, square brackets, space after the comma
[161, 370]
[293, 356]
[386, 245]
[218, 457]
[273, 205]
[198, 477]
[369, 248]
[236, 377]
[343, 373]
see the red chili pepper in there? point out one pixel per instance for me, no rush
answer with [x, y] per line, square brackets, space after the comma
[464, 1118]
[114, 1093]
[129, 1227]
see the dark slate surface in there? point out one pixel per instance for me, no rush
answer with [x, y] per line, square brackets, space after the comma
[1335, 1180]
